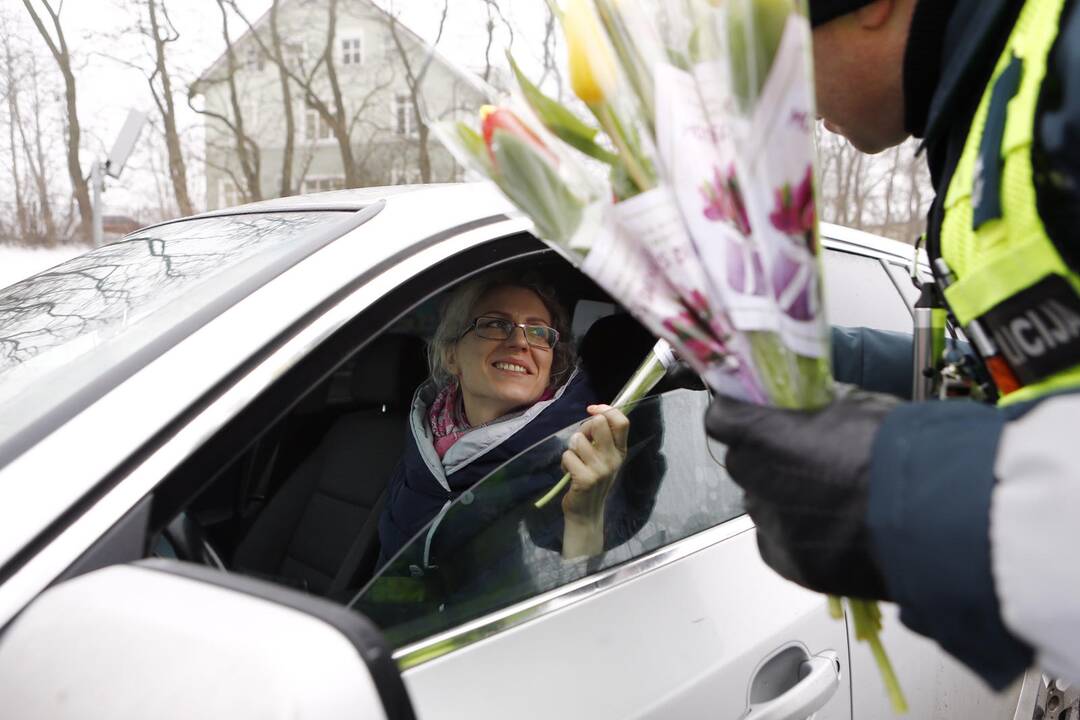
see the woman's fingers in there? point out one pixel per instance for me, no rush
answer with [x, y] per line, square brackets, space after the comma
[617, 422]
[581, 444]
[579, 471]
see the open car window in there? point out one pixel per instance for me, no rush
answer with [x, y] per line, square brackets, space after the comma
[493, 548]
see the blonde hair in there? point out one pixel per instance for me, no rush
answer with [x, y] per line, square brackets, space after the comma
[457, 314]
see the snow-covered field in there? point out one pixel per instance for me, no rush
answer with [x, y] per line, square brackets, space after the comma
[17, 263]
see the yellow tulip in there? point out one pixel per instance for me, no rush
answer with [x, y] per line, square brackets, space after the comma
[592, 67]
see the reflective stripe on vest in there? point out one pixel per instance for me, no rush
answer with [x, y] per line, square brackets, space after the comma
[1009, 275]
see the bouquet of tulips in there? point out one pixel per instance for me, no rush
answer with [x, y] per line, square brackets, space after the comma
[701, 220]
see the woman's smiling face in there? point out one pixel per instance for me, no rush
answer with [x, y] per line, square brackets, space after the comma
[497, 376]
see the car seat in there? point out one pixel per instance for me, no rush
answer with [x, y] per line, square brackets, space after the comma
[319, 530]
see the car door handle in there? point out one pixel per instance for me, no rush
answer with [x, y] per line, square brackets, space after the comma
[819, 678]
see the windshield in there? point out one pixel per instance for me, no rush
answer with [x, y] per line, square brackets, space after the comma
[494, 548]
[62, 328]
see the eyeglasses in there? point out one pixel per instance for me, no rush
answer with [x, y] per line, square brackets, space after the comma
[497, 328]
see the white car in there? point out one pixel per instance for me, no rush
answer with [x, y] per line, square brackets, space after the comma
[196, 428]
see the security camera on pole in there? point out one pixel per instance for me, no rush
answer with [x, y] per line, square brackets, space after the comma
[114, 165]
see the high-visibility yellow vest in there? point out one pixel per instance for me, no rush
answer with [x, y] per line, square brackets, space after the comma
[1009, 282]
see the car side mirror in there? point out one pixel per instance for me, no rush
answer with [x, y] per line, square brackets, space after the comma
[167, 639]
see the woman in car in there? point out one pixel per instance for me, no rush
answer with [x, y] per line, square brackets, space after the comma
[503, 377]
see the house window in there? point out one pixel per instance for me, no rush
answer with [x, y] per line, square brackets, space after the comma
[321, 184]
[253, 58]
[404, 115]
[315, 126]
[390, 49]
[352, 51]
[294, 53]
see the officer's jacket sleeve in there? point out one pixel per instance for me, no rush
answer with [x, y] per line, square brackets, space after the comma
[875, 360]
[974, 514]
[1035, 532]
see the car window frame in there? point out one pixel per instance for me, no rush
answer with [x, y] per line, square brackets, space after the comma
[83, 526]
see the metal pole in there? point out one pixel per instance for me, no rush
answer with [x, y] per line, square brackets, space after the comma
[928, 344]
[98, 182]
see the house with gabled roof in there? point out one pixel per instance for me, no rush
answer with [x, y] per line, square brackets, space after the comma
[358, 91]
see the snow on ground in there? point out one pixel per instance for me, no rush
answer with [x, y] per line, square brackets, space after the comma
[17, 263]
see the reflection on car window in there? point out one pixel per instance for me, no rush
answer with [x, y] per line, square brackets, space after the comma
[118, 285]
[106, 305]
[493, 548]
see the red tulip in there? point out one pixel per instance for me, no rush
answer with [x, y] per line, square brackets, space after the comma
[496, 118]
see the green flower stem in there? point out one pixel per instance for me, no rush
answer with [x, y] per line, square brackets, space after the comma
[626, 155]
[644, 379]
[791, 380]
[836, 610]
[866, 615]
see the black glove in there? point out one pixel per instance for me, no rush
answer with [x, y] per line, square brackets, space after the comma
[806, 477]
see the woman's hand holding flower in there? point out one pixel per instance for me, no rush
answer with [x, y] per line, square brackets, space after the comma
[595, 454]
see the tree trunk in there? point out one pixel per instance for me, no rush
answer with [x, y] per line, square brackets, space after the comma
[167, 108]
[246, 149]
[415, 78]
[286, 102]
[59, 49]
[338, 119]
[22, 217]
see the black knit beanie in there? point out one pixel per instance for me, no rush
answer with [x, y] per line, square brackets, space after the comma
[822, 11]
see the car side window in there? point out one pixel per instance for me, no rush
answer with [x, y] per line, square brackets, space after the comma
[859, 293]
[494, 548]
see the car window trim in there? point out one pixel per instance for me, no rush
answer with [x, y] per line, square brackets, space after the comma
[28, 436]
[885, 265]
[281, 210]
[474, 631]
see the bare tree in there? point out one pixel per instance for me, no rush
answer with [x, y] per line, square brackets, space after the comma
[278, 56]
[26, 91]
[248, 152]
[162, 33]
[320, 85]
[550, 63]
[415, 72]
[274, 50]
[885, 194]
[59, 48]
[21, 221]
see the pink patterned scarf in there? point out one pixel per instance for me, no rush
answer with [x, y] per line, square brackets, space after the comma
[446, 416]
[447, 419]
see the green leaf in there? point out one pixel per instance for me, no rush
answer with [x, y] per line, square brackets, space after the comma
[530, 181]
[622, 186]
[564, 124]
[474, 144]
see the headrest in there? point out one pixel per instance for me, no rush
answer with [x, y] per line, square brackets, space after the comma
[612, 350]
[388, 371]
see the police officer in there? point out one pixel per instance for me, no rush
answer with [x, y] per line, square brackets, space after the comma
[965, 514]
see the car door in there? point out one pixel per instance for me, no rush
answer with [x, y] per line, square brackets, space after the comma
[678, 617]
[869, 288]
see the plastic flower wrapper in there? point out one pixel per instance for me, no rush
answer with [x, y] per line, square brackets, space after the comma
[763, 64]
[645, 256]
[702, 163]
[734, 109]
[502, 144]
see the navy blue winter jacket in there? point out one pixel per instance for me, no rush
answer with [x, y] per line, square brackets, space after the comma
[422, 486]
